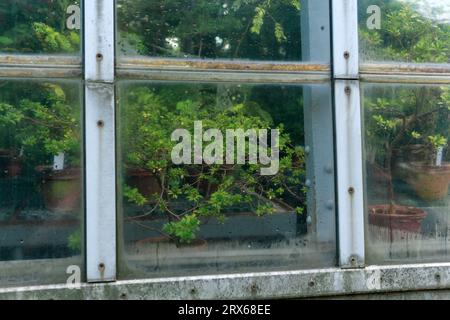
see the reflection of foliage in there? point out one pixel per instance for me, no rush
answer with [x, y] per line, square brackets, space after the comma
[400, 116]
[37, 26]
[405, 35]
[257, 29]
[53, 41]
[187, 194]
[411, 112]
[37, 122]
[74, 241]
[263, 11]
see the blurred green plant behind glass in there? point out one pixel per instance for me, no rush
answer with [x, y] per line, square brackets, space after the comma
[150, 113]
[37, 26]
[410, 31]
[232, 29]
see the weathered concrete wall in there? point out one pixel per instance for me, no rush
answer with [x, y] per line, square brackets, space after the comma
[398, 282]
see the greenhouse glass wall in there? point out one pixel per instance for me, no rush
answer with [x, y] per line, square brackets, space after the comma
[224, 149]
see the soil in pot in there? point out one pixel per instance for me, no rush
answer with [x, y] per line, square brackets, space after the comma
[429, 182]
[404, 218]
[144, 181]
[62, 190]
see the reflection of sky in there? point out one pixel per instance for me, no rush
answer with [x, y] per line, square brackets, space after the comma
[438, 10]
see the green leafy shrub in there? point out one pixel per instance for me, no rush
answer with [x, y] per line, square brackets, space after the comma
[38, 122]
[37, 27]
[189, 194]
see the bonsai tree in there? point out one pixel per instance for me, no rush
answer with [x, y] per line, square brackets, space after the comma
[411, 116]
[189, 195]
[404, 117]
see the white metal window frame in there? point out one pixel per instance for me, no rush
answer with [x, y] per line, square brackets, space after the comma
[345, 72]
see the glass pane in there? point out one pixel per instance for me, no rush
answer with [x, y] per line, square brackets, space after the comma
[200, 197]
[40, 26]
[407, 131]
[222, 29]
[41, 210]
[405, 30]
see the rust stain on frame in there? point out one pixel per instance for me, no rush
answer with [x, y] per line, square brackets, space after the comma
[172, 64]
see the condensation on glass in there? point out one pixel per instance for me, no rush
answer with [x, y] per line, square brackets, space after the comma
[40, 26]
[405, 30]
[197, 217]
[406, 129]
[41, 211]
[212, 29]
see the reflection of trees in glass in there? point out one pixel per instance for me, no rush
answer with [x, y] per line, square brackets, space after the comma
[36, 27]
[190, 194]
[251, 29]
[38, 122]
[406, 33]
[405, 128]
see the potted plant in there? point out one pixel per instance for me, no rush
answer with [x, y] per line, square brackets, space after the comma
[393, 124]
[430, 179]
[41, 133]
[187, 197]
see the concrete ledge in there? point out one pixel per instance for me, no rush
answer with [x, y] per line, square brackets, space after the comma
[295, 284]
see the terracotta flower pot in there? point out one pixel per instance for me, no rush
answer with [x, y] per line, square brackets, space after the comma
[11, 166]
[62, 190]
[429, 182]
[14, 168]
[407, 219]
[144, 181]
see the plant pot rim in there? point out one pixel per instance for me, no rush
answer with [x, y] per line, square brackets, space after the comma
[445, 167]
[5, 153]
[135, 171]
[408, 211]
[65, 174]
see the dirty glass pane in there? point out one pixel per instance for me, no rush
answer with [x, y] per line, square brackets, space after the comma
[40, 26]
[199, 197]
[405, 30]
[221, 29]
[40, 182]
[407, 132]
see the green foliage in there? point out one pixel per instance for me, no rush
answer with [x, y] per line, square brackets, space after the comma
[74, 242]
[37, 122]
[37, 27]
[184, 229]
[405, 35]
[133, 196]
[263, 11]
[250, 29]
[405, 116]
[189, 194]
[437, 141]
[53, 41]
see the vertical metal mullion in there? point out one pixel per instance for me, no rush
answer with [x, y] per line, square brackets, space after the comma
[348, 126]
[100, 140]
[318, 124]
[345, 39]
